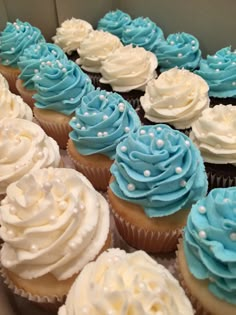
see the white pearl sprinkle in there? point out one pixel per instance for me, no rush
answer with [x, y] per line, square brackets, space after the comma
[12, 209]
[72, 99]
[160, 143]
[183, 183]
[193, 42]
[105, 133]
[226, 200]
[75, 210]
[180, 55]
[105, 117]
[78, 125]
[127, 129]
[86, 114]
[220, 63]
[83, 128]
[123, 148]
[233, 236]
[73, 118]
[49, 63]
[142, 132]
[187, 143]
[178, 170]
[202, 234]
[36, 71]
[121, 107]
[146, 173]
[99, 134]
[159, 128]
[52, 218]
[172, 42]
[102, 97]
[82, 207]
[193, 47]
[72, 245]
[131, 187]
[10, 233]
[141, 285]
[234, 83]
[33, 248]
[151, 134]
[63, 70]
[217, 70]
[202, 209]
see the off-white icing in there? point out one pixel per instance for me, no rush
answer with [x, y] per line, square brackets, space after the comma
[3, 82]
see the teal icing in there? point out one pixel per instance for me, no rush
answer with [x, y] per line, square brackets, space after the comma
[60, 86]
[114, 22]
[35, 55]
[213, 257]
[177, 176]
[219, 71]
[101, 122]
[179, 50]
[144, 33]
[15, 38]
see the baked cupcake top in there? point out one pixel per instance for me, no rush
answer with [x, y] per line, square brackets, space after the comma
[214, 133]
[24, 147]
[210, 242]
[35, 55]
[219, 70]
[114, 22]
[70, 34]
[179, 50]
[177, 97]
[129, 68]
[95, 48]
[15, 38]
[13, 106]
[52, 221]
[101, 121]
[160, 169]
[142, 32]
[3, 82]
[122, 283]
[60, 86]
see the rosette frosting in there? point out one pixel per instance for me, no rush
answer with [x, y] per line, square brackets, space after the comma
[114, 22]
[70, 34]
[101, 122]
[24, 147]
[160, 169]
[219, 71]
[35, 55]
[179, 50]
[144, 33]
[214, 133]
[52, 221]
[3, 82]
[177, 97]
[15, 38]
[60, 86]
[210, 242]
[129, 68]
[123, 283]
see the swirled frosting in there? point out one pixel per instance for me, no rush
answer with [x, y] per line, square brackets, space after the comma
[95, 48]
[60, 86]
[160, 169]
[129, 68]
[101, 122]
[114, 22]
[15, 38]
[219, 71]
[214, 133]
[35, 55]
[123, 283]
[210, 242]
[13, 106]
[177, 97]
[144, 33]
[52, 221]
[3, 82]
[179, 50]
[24, 147]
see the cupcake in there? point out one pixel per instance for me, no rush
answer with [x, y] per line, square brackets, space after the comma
[29, 65]
[219, 71]
[100, 123]
[24, 147]
[52, 223]
[177, 97]
[60, 86]
[13, 40]
[179, 50]
[128, 71]
[214, 133]
[94, 49]
[125, 283]
[3, 82]
[157, 175]
[206, 256]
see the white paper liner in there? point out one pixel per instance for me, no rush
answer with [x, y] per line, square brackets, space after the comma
[11, 75]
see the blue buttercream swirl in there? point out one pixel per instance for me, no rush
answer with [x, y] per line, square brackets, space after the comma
[210, 242]
[15, 38]
[60, 86]
[35, 55]
[219, 71]
[179, 50]
[159, 169]
[101, 122]
[144, 33]
[114, 22]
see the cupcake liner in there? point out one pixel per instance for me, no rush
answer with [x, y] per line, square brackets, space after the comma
[26, 94]
[215, 181]
[221, 100]
[11, 75]
[95, 77]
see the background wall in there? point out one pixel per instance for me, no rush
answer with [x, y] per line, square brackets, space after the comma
[213, 22]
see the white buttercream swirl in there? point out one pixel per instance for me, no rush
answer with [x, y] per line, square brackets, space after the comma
[214, 133]
[177, 97]
[52, 221]
[70, 34]
[95, 48]
[3, 82]
[13, 106]
[24, 147]
[129, 68]
[121, 283]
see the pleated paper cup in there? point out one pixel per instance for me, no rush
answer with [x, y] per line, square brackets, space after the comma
[26, 94]
[11, 75]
